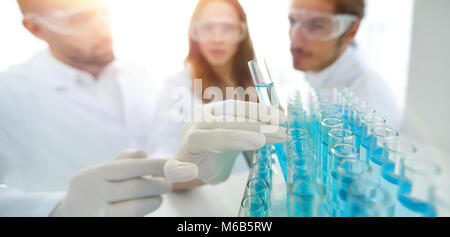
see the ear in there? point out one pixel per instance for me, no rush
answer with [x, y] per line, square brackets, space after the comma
[352, 31]
[34, 28]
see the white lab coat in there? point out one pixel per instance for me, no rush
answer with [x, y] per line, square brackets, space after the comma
[351, 71]
[175, 103]
[50, 128]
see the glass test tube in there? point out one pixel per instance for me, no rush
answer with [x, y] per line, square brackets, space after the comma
[418, 178]
[377, 161]
[252, 206]
[367, 199]
[326, 125]
[306, 199]
[368, 122]
[396, 152]
[268, 96]
[339, 153]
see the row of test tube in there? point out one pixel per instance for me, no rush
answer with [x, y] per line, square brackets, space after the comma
[352, 164]
[257, 196]
[343, 160]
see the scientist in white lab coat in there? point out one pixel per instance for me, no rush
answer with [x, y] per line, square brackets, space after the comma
[322, 45]
[72, 108]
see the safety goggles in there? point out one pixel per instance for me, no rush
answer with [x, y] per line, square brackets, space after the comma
[319, 26]
[74, 22]
[218, 29]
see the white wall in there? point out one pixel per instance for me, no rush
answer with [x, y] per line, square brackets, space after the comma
[16, 44]
[428, 104]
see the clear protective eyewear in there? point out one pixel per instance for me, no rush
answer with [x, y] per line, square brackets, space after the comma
[218, 29]
[319, 26]
[74, 22]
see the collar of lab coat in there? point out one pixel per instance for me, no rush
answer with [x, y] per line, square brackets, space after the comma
[51, 73]
[340, 72]
[61, 76]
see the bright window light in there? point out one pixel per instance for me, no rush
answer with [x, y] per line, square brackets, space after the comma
[154, 34]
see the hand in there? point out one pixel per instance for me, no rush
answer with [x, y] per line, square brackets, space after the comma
[215, 135]
[116, 188]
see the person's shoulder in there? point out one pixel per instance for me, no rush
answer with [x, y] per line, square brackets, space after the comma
[15, 96]
[365, 75]
[12, 81]
[21, 74]
[182, 77]
[130, 67]
[372, 79]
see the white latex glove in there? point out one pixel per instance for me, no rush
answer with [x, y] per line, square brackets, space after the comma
[214, 135]
[116, 188]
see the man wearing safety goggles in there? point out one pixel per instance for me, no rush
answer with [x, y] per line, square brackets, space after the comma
[322, 36]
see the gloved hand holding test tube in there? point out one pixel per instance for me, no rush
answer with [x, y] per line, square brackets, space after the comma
[268, 96]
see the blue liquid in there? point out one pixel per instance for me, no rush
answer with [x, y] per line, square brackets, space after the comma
[257, 210]
[410, 207]
[281, 150]
[357, 130]
[324, 163]
[364, 149]
[268, 96]
[337, 195]
[303, 202]
[312, 126]
[302, 205]
[298, 121]
[391, 183]
[345, 120]
[376, 162]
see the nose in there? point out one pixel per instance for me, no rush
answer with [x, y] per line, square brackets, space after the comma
[298, 40]
[217, 36]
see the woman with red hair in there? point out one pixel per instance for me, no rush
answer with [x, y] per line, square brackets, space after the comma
[215, 69]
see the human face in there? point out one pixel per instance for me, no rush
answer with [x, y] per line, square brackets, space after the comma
[225, 33]
[76, 30]
[314, 52]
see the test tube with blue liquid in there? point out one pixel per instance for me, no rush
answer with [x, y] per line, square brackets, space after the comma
[344, 169]
[377, 161]
[416, 184]
[367, 199]
[326, 125]
[368, 122]
[396, 151]
[268, 96]
[358, 112]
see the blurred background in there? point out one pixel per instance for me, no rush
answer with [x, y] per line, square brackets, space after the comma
[405, 41]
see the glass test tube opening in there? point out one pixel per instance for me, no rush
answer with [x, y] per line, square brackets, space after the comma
[368, 122]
